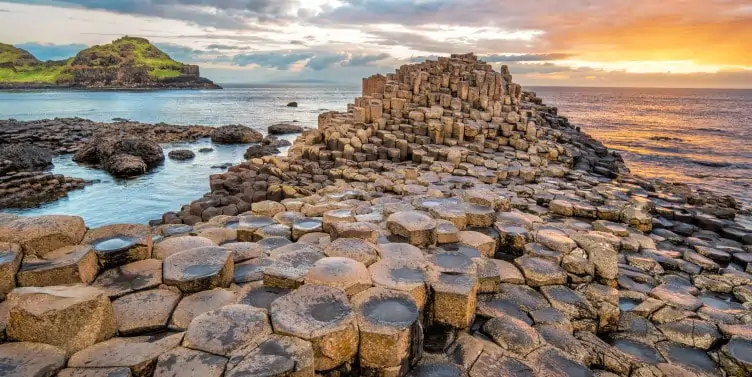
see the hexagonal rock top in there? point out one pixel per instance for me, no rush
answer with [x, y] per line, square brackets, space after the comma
[120, 244]
[402, 275]
[353, 248]
[418, 227]
[385, 320]
[66, 265]
[199, 269]
[228, 330]
[173, 245]
[278, 356]
[322, 315]
[346, 274]
[40, 235]
[70, 317]
[30, 359]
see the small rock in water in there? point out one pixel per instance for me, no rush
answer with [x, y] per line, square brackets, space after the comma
[181, 154]
[292, 104]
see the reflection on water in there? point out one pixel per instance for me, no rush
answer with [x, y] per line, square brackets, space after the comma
[697, 136]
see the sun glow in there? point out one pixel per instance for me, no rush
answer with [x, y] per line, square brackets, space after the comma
[658, 66]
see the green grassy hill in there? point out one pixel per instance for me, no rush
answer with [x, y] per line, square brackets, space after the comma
[128, 61]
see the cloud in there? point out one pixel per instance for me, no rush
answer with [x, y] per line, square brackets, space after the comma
[325, 60]
[526, 57]
[278, 60]
[49, 51]
[365, 59]
[227, 14]
[4, 11]
[219, 46]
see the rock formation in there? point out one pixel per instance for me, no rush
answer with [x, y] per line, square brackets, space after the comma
[126, 63]
[448, 224]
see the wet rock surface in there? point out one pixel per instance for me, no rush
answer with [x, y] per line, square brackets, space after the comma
[447, 224]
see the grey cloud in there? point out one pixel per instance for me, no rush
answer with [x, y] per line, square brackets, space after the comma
[325, 60]
[4, 11]
[219, 46]
[271, 59]
[365, 59]
[297, 43]
[226, 14]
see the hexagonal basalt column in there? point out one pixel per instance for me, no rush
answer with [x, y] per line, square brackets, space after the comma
[67, 265]
[279, 356]
[173, 245]
[353, 248]
[10, 261]
[248, 225]
[119, 244]
[418, 227]
[453, 299]
[323, 316]
[290, 265]
[387, 320]
[344, 273]
[70, 317]
[306, 225]
[229, 331]
[199, 269]
[402, 275]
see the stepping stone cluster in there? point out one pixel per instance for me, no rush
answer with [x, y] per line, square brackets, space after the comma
[448, 224]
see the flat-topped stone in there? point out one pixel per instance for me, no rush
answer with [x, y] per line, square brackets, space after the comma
[67, 265]
[418, 227]
[69, 317]
[454, 299]
[402, 275]
[323, 316]
[180, 360]
[290, 265]
[136, 276]
[198, 303]
[346, 274]
[26, 359]
[248, 225]
[306, 225]
[540, 272]
[10, 261]
[173, 245]
[144, 311]
[512, 334]
[261, 296]
[243, 251]
[229, 331]
[119, 244]
[41, 235]
[363, 230]
[199, 269]
[385, 321]
[353, 248]
[139, 354]
[279, 356]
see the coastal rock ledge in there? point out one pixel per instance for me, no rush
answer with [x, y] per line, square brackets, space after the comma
[448, 224]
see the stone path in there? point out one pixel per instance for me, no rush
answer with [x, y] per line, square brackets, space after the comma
[493, 245]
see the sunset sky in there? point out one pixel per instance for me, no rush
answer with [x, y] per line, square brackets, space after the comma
[666, 43]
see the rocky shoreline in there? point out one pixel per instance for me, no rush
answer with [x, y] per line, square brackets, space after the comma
[447, 224]
[26, 150]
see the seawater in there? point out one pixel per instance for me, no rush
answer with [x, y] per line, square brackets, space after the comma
[710, 143]
[698, 136]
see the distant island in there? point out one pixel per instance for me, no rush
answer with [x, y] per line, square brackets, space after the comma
[126, 63]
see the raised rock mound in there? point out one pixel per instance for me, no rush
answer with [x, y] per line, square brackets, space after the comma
[285, 128]
[24, 157]
[459, 258]
[181, 154]
[235, 134]
[122, 157]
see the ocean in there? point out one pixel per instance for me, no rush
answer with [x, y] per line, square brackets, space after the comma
[698, 136]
